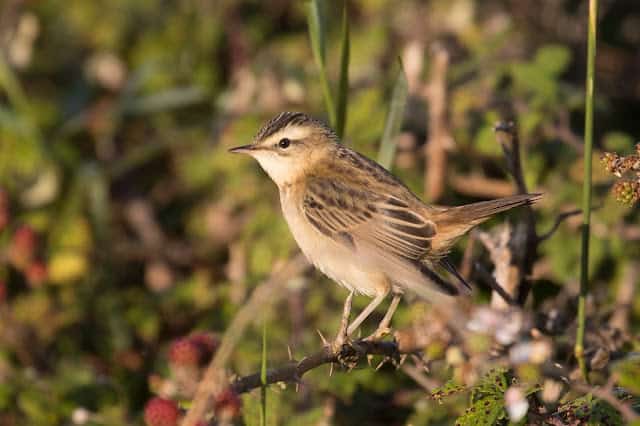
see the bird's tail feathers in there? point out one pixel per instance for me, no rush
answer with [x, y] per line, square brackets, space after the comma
[476, 213]
[453, 222]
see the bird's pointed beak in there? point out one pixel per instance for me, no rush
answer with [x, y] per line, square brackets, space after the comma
[244, 149]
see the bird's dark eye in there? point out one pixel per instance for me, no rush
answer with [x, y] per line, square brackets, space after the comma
[284, 143]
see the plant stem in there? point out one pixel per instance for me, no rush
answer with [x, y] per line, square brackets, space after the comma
[392, 126]
[586, 193]
[263, 376]
[343, 83]
[316, 23]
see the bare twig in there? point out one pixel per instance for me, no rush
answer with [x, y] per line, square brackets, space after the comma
[478, 185]
[141, 217]
[419, 377]
[559, 219]
[507, 136]
[563, 132]
[439, 137]
[265, 295]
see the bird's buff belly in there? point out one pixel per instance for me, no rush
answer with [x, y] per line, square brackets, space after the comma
[336, 261]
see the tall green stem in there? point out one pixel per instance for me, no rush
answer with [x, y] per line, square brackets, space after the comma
[586, 193]
[263, 376]
[316, 22]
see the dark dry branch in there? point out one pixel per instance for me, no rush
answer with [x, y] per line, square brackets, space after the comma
[559, 219]
[493, 284]
[348, 355]
[526, 248]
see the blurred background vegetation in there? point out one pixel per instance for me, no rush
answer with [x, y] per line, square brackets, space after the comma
[125, 225]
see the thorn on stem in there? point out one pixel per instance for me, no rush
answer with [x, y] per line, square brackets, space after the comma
[324, 341]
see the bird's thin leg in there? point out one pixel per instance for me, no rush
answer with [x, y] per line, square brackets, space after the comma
[383, 327]
[342, 336]
[366, 312]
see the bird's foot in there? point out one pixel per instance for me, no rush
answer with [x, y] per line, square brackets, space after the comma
[348, 354]
[342, 338]
[384, 327]
[381, 332]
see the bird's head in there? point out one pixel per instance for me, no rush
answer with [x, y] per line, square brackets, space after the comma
[289, 145]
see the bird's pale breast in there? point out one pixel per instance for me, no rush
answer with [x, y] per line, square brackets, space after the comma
[337, 261]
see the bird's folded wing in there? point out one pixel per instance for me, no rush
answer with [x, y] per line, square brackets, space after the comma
[349, 215]
[381, 227]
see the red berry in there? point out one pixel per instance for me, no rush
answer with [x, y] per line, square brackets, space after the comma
[3, 291]
[36, 273]
[22, 248]
[207, 343]
[227, 404]
[184, 352]
[4, 209]
[161, 412]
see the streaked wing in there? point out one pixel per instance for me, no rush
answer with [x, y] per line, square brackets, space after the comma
[348, 215]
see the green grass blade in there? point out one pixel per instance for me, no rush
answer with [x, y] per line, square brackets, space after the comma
[343, 85]
[317, 35]
[263, 376]
[586, 189]
[11, 86]
[394, 120]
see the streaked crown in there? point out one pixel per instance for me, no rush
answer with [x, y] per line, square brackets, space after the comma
[290, 119]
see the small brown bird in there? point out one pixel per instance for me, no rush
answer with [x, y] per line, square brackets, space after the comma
[357, 223]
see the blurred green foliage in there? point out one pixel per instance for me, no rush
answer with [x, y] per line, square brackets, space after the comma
[115, 120]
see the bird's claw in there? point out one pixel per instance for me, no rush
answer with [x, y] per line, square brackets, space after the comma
[379, 334]
[348, 354]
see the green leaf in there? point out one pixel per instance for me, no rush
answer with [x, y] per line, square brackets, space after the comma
[394, 120]
[619, 142]
[486, 411]
[492, 384]
[448, 389]
[590, 411]
[315, 20]
[487, 400]
[553, 58]
[343, 86]
[10, 85]
[629, 373]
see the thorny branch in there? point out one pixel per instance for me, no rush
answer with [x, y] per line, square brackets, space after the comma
[349, 356]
